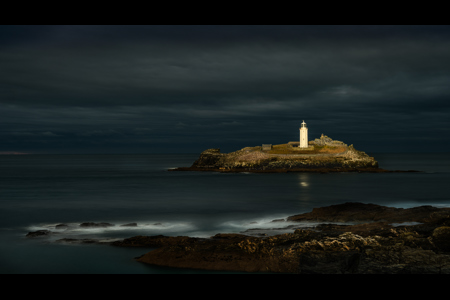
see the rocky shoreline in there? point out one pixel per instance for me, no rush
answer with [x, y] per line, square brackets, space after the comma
[292, 170]
[352, 237]
[381, 240]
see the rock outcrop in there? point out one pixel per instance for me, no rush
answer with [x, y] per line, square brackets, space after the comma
[375, 247]
[39, 233]
[327, 141]
[361, 212]
[94, 225]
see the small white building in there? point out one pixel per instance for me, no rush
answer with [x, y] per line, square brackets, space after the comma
[303, 136]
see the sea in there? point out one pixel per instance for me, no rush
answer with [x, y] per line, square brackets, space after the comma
[38, 192]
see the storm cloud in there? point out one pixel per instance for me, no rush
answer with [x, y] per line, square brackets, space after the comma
[150, 89]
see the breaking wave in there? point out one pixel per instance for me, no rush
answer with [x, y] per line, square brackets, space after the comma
[110, 231]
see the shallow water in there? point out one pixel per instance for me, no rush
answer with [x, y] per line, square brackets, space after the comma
[41, 191]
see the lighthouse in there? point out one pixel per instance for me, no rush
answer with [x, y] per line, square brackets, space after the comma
[303, 135]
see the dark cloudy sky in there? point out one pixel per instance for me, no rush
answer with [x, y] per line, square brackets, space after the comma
[183, 89]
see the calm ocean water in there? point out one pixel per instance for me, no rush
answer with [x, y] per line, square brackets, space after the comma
[40, 191]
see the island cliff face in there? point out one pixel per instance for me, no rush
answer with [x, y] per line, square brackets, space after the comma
[323, 154]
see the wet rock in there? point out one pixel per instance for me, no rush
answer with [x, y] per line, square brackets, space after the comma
[94, 225]
[278, 220]
[61, 226]
[86, 241]
[130, 225]
[77, 241]
[361, 212]
[39, 233]
[155, 241]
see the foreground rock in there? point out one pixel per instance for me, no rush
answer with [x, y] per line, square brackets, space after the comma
[39, 233]
[360, 212]
[324, 155]
[96, 225]
[375, 245]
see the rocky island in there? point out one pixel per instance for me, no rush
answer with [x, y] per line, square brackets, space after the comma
[320, 155]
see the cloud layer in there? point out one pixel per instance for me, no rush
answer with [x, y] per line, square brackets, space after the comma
[147, 89]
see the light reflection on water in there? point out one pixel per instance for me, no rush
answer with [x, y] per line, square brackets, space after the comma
[304, 179]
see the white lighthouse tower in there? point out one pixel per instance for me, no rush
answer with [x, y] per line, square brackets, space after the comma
[303, 135]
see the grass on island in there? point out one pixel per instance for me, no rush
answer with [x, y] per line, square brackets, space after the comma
[288, 149]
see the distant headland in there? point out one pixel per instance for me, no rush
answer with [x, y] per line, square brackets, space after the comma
[12, 153]
[320, 155]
